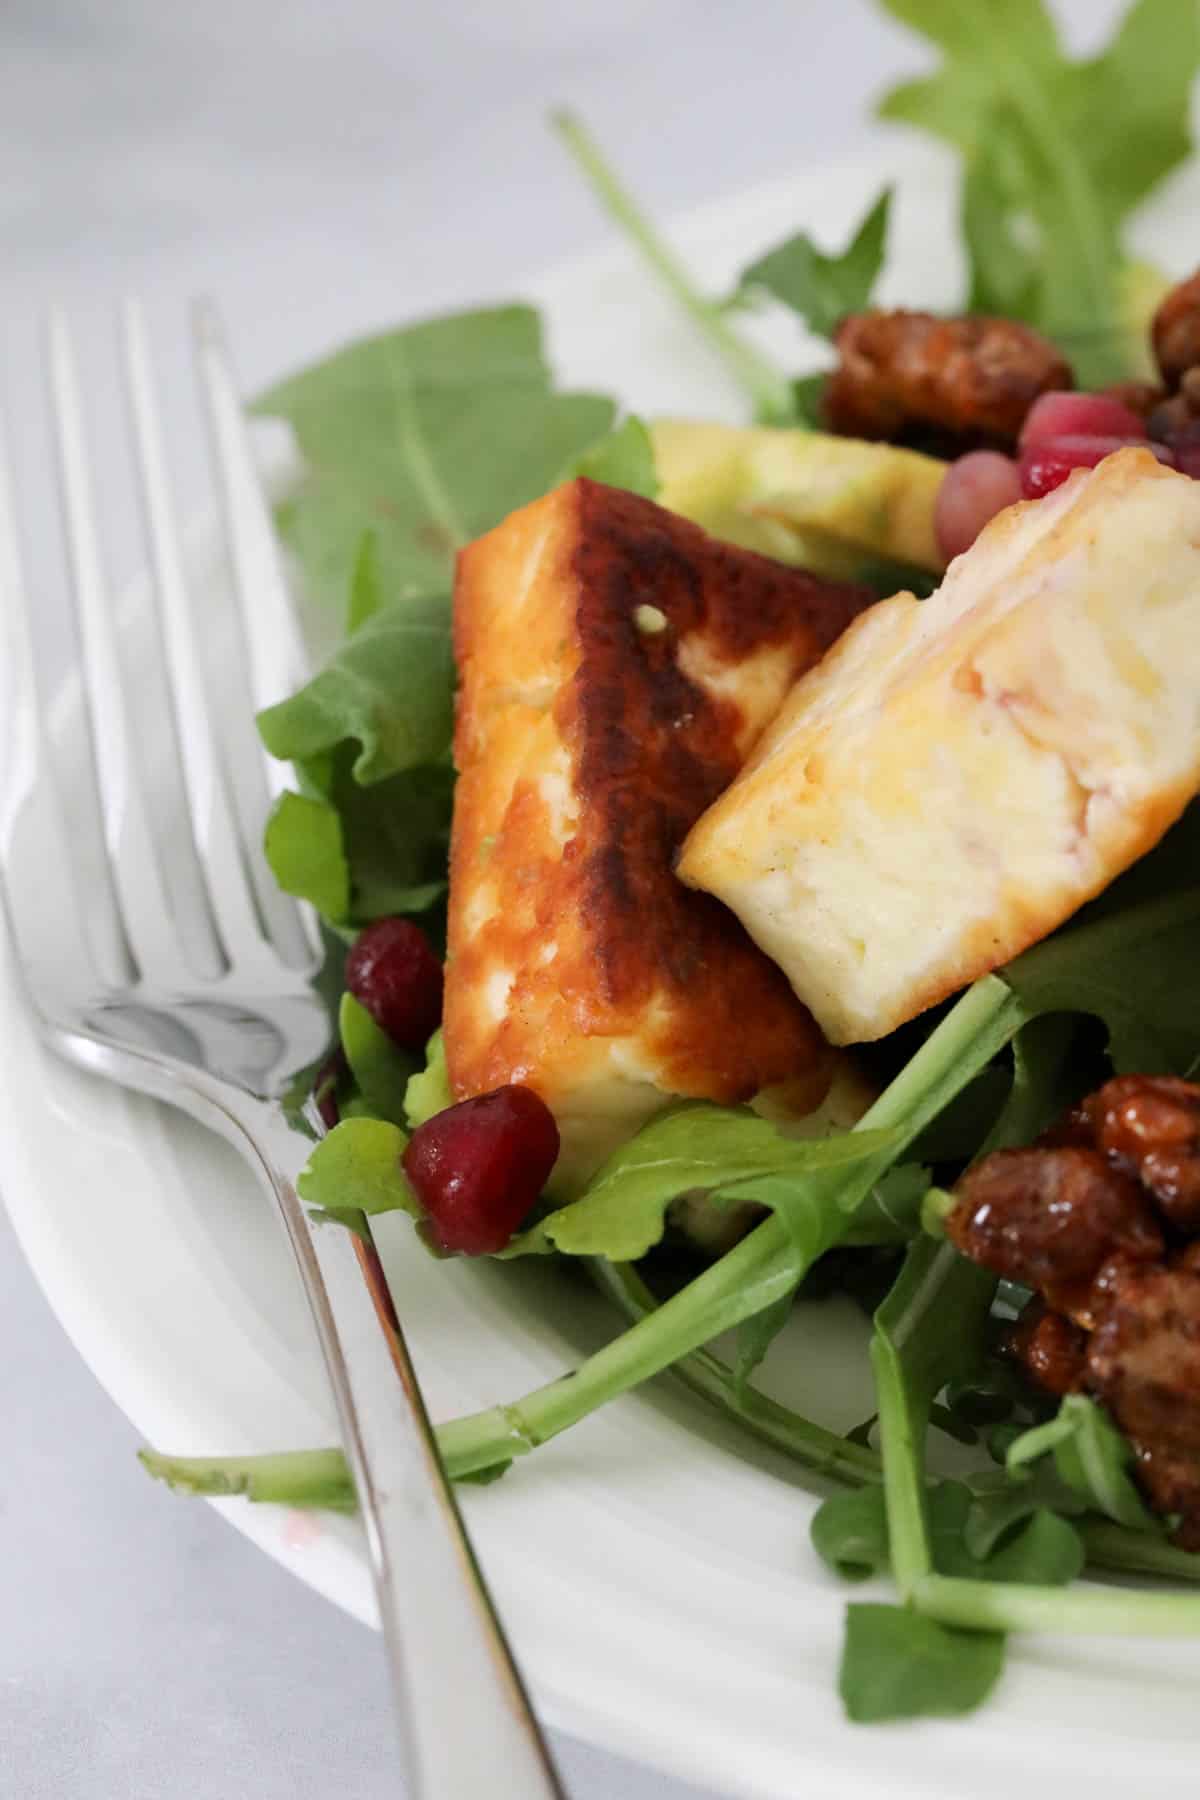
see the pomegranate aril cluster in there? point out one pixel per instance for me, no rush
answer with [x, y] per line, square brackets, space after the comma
[1062, 432]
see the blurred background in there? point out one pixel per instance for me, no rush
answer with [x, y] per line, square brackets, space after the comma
[322, 171]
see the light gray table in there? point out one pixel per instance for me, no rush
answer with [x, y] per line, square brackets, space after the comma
[324, 170]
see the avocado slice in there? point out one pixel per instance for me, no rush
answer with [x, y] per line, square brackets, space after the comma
[832, 504]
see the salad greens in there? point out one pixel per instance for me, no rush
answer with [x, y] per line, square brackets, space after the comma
[728, 1154]
[766, 386]
[428, 436]
[388, 691]
[413, 443]
[897, 1664]
[306, 850]
[1056, 154]
[624, 459]
[416, 442]
[823, 288]
[1091, 1457]
[380, 1070]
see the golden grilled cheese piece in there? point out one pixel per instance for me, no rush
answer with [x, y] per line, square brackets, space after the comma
[961, 773]
[616, 666]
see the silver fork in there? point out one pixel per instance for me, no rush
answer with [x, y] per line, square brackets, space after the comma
[157, 953]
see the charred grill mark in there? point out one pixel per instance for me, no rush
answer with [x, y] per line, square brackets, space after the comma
[656, 748]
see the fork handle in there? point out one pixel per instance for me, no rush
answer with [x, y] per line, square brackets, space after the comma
[468, 1728]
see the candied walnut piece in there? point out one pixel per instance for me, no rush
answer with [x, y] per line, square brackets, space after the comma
[969, 382]
[1144, 1364]
[1141, 397]
[1175, 331]
[1079, 1217]
[1150, 1127]
[1051, 1349]
[1072, 1128]
[1173, 421]
[1049, 1218]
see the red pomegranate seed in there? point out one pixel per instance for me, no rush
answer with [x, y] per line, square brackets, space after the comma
[1046, 466]
[1079, 415]
[393, 972]
[974, 489]
[478, 1167]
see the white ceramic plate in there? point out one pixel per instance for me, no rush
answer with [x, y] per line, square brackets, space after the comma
[653, 1566]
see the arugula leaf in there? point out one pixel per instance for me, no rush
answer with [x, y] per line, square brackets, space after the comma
[891, 1213]
[389, 689]
[929, 1329]
[1056, 154]
[987, 1394]
[765, 386]
[729, 1153]
[821, 287]
[623, 459]
[395, 833]
[380, 1068]
[1140, 86]
[428, 435]
[808, 399]
[1042, 1081]
[1004, 265]
[705, 1374]
[755, 1337]
[1045, 1550]
[849, 1533]
[366, 588]
[623, 1210]
[1001, 1504]
[414, 443]
[957, 1132]
[1136, 1552]
[898, 1665]
[304, 848]
[1092, 1458]
[766, 1265]
[1136, 969]
[428, 1091]
[357, 1169]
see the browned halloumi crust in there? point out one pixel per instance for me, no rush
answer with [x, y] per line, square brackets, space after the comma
[591, 734]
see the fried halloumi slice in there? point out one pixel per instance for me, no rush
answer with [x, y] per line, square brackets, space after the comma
[960, 774]
[616, 666]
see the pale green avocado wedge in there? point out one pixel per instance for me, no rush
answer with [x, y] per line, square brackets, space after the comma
[828, 503]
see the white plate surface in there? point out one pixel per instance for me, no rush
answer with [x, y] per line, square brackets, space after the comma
[652, 1565]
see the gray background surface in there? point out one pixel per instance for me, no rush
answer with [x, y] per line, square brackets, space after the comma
[322, 169]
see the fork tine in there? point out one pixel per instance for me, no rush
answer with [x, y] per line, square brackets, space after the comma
[18, 700]
[278, 662]
[187, 771]
[96, 809]
[32, 845]
[273, 656]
